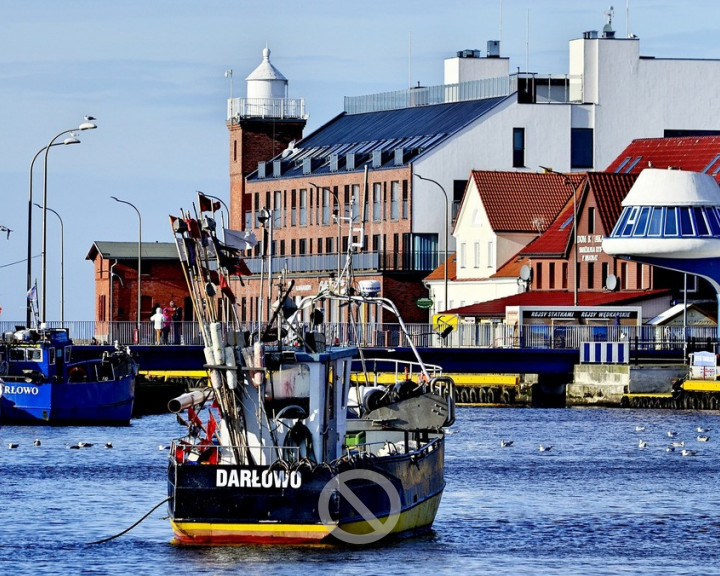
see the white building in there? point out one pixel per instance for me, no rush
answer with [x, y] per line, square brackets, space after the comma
[579, 121]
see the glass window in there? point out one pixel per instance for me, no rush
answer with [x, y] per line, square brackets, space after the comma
[325, 206]
[620, 223]
[713, 220]
[642, 221]
[394, 200]
[377, 202]
[655, 227]
[700, 223]
[630, 222]
[671, 221]
[518, 147]
[686, 228]
[303, 207]
[581, 148]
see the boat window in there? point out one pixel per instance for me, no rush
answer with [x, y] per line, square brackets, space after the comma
[68, 353]
[700, 223]
[620, 224]
[627, 229]
[655, 228]
[686, 228]
[642, 221]
[713, 220]
[51, 355]
[34, 355]
[17, 354]
[671, 221]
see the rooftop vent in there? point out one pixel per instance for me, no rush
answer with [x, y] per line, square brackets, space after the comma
[493, 49]
[468, 54]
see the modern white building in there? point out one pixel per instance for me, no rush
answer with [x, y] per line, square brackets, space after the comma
[579, 121]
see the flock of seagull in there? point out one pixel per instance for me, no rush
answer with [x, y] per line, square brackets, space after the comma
[78, 446]
[671, 447]
[675, 444]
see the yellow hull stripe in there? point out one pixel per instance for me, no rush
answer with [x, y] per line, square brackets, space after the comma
[417, 517]
[701, 385]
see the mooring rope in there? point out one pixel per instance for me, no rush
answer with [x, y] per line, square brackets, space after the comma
[133, 526]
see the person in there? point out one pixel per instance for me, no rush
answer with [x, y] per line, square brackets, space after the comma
[176, 312]
[157, 319]
[167, 321]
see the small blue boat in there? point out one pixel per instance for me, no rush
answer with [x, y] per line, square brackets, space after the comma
[42, 384]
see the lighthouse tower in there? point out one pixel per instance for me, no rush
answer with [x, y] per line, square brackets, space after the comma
[261, 126]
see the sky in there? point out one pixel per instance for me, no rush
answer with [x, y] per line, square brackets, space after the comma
[153, 74]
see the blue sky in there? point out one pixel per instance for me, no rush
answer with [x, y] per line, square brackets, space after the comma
[153, 74]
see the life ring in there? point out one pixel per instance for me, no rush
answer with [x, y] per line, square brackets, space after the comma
[77, 374]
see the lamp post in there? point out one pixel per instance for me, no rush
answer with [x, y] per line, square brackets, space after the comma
[567, 180]
[68, 140]
[62, 264]
[337, 219]
[87, 125]
[447, 202]
[139, 259]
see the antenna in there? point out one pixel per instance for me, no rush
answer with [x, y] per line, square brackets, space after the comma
[409, 59]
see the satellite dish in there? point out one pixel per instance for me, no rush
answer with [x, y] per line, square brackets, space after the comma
[611, 282]
[525, 272]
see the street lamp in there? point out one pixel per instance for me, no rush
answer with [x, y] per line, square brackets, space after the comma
[139, 262]
[336, 214]
[447, 202]
[87, 125]
[62, 265]
[568, 181]
[68, 140]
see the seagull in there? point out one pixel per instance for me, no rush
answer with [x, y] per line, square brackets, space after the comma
[701, 429]
[671, 434]
[162, 447]
[13, 445]
[703, 438]
[6, 229]
[73, 447]
[506, 443]
[545, 448]
[37, 442]
[108, 445]
[89, 118]
[678, 444]
[642, 444]
[670, 449]
[84, 444]
[689, 452]
[639, 428]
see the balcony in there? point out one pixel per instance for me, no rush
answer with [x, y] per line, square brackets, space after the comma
[282, 108]
[362, 262]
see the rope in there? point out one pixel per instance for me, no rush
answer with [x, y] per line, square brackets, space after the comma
[133, 526]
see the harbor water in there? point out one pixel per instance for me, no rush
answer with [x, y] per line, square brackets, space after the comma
[596, 503]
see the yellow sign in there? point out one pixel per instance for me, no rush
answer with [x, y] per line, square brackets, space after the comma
[442, 322]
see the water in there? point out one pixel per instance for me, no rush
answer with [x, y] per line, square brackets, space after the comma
[594, 504]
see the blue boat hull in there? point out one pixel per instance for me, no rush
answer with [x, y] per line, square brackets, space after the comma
[108, 402]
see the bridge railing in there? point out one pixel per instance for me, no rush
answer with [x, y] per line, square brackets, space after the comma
[483, 335]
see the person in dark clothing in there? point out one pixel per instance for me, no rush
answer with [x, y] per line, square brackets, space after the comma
[177, 318]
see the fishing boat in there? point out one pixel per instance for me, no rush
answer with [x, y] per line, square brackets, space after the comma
[293, 441]
[43, 384]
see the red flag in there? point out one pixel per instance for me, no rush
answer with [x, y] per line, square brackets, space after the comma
[225, 289]
[211, 426]
[207, 205]
[194, 418]
[193, 228]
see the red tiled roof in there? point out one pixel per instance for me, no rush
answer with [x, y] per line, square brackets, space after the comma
[511, 268]
[439, 272]
[496, 308]
[608, 191]
[519, 201]
[693, 153]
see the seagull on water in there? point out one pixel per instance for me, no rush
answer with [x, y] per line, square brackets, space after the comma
[642, 444]
[545, 448]
[702, 430]
[108, 445]
[639, 428]
[678, 444]
[670, 449]
[37, 442]
[671, 434]
[84, 444]
[13, 445]
[506, 443]
[703, 438]
[689, 452]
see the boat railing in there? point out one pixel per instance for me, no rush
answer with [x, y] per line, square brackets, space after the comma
[385, 371]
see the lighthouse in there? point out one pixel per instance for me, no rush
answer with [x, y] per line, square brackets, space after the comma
[261, 125]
